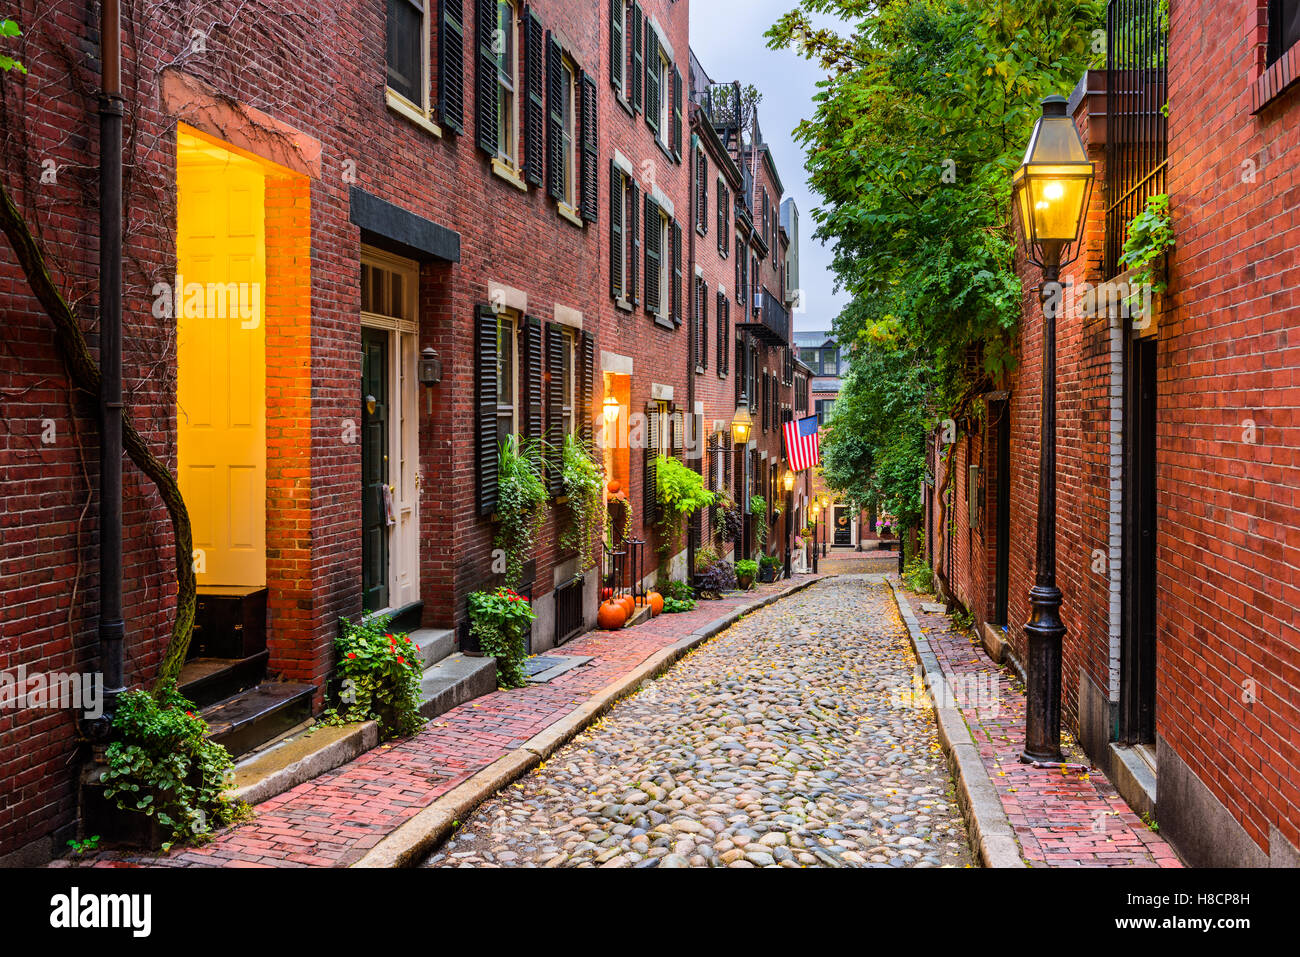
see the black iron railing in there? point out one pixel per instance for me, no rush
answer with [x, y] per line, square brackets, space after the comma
[769, 318]
[1137, 54]
[568, 610]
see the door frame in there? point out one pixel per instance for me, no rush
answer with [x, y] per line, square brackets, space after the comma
[404, 472]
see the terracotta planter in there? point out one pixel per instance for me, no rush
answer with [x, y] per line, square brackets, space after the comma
[745, 582]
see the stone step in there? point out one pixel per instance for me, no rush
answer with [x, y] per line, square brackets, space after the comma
[454, 680]
[434, 644]
[205, 681]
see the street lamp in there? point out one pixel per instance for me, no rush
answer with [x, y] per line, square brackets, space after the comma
[817, 511]
[1052, 189]
[787, 482]
[742, 423]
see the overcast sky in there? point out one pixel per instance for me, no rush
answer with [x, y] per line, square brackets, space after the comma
[727, 36]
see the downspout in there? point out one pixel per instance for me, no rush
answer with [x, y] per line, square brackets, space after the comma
[112, 628]
[691, 356]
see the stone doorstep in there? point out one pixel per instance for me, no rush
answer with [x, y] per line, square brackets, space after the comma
[994, 644]
[300, 757]
[454, 680]
[1134, 778]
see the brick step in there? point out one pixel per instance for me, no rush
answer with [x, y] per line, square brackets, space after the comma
[454, 680]
[254, 716]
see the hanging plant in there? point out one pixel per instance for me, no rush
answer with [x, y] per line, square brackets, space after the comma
[728, 522]
[1150, 236]
[521, 503]
[584, 482]
[681, 492]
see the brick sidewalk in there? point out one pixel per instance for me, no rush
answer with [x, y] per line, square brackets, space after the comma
[1059, 820]
[332, 820]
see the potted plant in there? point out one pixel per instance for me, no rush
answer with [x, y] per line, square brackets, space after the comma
[768, 568]
[746, 571]
[377, 678]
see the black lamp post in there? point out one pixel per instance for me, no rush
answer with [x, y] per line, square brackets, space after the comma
[742, 427]
[1052, 189]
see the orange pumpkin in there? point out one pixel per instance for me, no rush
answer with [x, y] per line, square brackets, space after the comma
[606, 594]
[611, 616]
[614, 486]
[629, 606]
[656, 601]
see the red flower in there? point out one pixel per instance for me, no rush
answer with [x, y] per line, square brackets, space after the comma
[190, 713]
[352, 654]
[406, 639]
[401, 660]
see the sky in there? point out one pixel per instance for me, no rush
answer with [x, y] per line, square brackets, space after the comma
[727, 36]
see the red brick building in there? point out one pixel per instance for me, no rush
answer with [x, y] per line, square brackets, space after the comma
[1176, 464]
[314, 203]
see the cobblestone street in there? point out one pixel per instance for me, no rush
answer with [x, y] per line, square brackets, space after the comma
[789, 740]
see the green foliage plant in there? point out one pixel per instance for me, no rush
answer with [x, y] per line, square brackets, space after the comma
[8, 30]
[584, 485]
[747, 567]
[161, 764]
[1150, 236]
[680, 491]
[758, 508]
[521, 503]
[376, 678]
[918, 576]
[499, 620]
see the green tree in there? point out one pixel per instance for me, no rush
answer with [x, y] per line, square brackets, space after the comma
[915, 134]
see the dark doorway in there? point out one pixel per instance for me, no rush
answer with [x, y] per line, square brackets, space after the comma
[1138, 643]
[374, 469]
[1002, 547]
[843, 526]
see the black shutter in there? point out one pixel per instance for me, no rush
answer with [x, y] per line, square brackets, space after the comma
[554, 120]
[588, 388]
[485, 76]
[727, 456]
[616, 44]
[677, 115]
[652, 91]
[679, 436]
[677, 273]
[649, 491]
[617, 207]
[704, 326]
[740, 372]
[722, 304]
[451, 65]
[590, 180]
[638, 61]
[534, 105]
[701, 191]
[485, 375]
[555, 346]
[724, 234]
[652, 256]
[634, 245]
[531, 365]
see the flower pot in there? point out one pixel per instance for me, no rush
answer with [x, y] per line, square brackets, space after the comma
[745, 582]
[767, 574]
[611, 616]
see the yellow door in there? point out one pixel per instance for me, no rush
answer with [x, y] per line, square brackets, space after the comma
[221, 359]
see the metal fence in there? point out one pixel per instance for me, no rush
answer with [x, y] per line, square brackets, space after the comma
[1137, 53]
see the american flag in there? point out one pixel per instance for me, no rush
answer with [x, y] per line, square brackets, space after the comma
[803, 443]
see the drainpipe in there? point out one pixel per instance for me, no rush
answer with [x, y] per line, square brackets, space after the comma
[691, 357]
[112, 629]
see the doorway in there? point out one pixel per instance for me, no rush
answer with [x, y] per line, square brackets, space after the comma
[376, 500]
[843, 526]
[221, 359]
[1138, 644]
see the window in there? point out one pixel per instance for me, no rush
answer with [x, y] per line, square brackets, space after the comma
[756, 300]
[701, 312]
[824, 409]
[507, 50]
[568, 96]
[742, 272]
[567, 379]
[408, 43]
[1283, 27]
[625, 205]
[507, 376]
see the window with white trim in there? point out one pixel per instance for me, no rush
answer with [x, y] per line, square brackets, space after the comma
[507, 50]
[407, 41]
[507, 375]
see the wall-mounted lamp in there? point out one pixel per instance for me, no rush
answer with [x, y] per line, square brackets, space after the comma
[611, 409]
[789, 481]
[430, 367]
